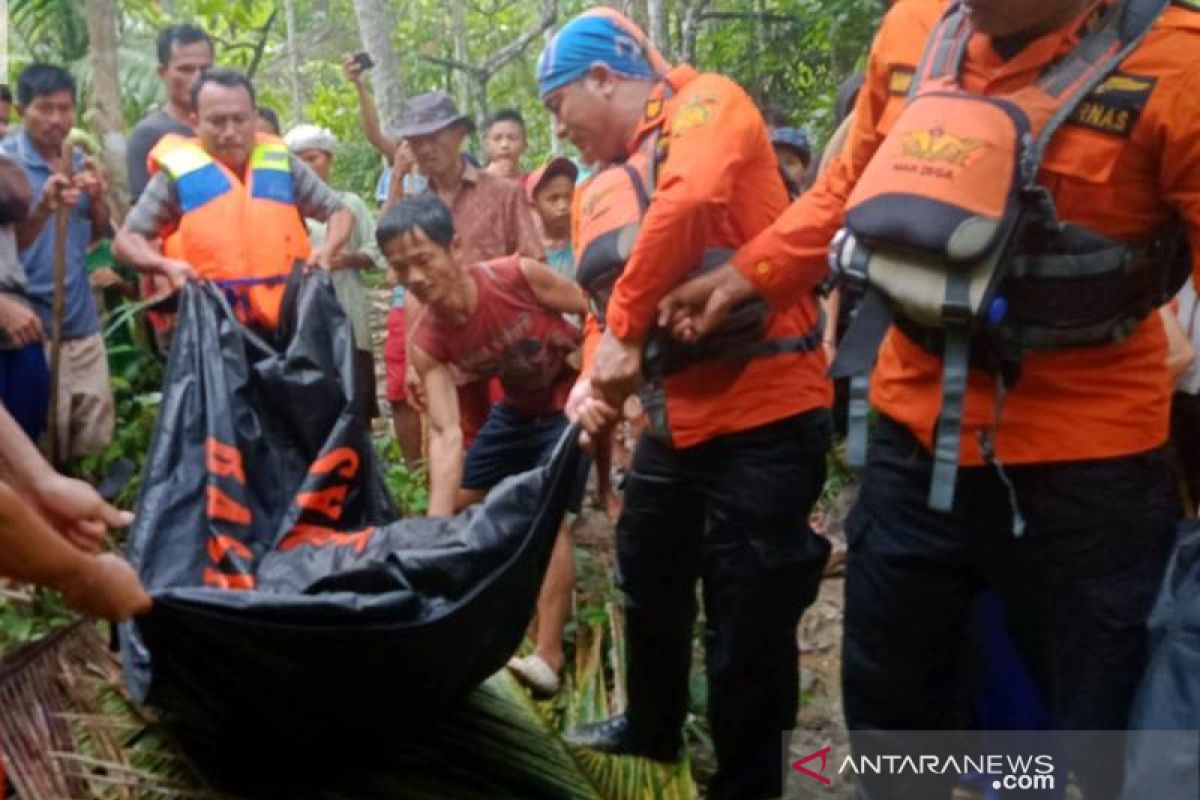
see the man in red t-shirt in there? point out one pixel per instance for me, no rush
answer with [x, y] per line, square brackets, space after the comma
[494, 319]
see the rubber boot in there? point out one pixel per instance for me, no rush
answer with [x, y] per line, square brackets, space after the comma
[659, 657]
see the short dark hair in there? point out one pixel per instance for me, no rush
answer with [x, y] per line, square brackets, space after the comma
[222, 76]
[38, 80]
[182, 35]
[5, 93]
[268, 113]
[424, 212]
[507, 115]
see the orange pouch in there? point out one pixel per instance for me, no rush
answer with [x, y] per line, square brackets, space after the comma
[946, 181]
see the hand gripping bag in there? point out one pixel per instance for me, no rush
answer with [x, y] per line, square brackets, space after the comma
[290, 603]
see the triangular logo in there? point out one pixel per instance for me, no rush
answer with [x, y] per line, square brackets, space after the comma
[822, 754]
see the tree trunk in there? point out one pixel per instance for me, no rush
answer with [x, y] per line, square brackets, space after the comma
[555, 142]
[289, 10]
[106, 111]
[660, 32]
[463, 85]
[692, 17]
[375, 27]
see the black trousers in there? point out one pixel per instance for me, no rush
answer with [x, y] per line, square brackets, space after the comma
[1076, 591]
[732, 512]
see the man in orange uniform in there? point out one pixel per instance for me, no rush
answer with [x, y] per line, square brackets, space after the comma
[231, 205]
[721, 488]
[1081, 437]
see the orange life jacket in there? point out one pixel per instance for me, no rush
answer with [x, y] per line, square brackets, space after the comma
[615, 200]
[244, 235]
[952, 237]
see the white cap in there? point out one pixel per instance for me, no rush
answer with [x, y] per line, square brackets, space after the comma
[310, 137]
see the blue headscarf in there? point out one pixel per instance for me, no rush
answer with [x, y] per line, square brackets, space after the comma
[596, 38]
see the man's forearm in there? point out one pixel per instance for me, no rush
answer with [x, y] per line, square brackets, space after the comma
[136, 250]
[31, 551]
[21, 465]
[370, 122]
[341, 225]
[445, 471]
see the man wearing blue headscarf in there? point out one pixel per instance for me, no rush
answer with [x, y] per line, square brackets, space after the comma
[721, 487]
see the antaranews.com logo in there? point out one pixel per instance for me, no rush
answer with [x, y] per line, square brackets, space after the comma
[1011, 772]
[912, 765]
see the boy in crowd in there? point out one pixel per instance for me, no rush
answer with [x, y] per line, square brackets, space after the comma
[505, 142]
[493, 319]
[551, 189]
[315, 146]
[794, 153]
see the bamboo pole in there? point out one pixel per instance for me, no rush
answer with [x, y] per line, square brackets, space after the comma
[61, 222]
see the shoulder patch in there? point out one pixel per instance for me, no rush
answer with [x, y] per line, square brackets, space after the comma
[900, 79]
[693, 112]
[1116, 104]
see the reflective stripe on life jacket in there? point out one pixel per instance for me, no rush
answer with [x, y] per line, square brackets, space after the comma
[246, 234]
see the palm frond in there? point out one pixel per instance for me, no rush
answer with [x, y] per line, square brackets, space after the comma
[69, 731]
[48, 30]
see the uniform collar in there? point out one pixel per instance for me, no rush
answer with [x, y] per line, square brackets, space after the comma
[660, 98]
[1039, 51]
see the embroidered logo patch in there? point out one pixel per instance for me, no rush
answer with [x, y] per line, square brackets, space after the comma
[900, 80]
[939, 146]
[693, 113]
[1116, 105]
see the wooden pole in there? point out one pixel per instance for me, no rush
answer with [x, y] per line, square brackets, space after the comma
[61, 222]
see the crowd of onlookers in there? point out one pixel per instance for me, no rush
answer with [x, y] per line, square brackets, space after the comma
[500, 208]
[487, 328]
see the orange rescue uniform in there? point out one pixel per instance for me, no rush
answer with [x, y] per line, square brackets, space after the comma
[1127, 160]
[718, 186]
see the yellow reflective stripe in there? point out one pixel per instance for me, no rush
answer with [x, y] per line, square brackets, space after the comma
[270, 156]
[181, 160]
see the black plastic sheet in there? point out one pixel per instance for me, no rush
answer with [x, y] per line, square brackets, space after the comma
[289, 601]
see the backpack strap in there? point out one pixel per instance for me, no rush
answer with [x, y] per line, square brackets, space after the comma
[855, 358]
[639, 187]
[944, 49]
[1121, 29]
